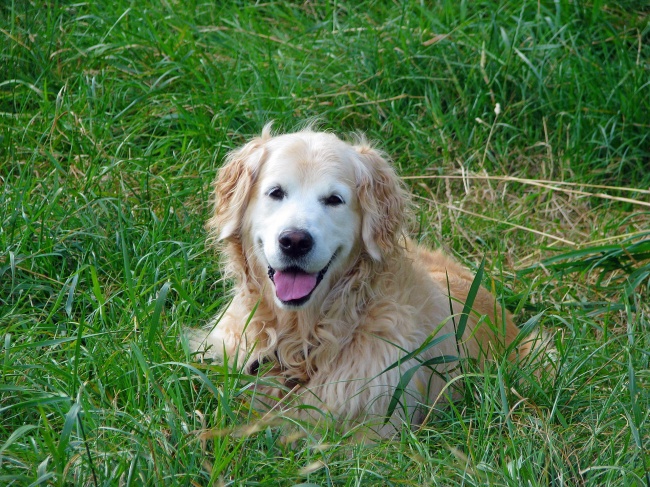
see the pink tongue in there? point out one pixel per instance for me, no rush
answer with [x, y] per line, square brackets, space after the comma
[293, 285]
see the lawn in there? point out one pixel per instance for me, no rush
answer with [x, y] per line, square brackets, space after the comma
[522, 128]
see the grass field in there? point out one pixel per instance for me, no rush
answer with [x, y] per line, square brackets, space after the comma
[114, 117]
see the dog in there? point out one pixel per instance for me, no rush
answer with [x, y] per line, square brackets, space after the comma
[330, 296]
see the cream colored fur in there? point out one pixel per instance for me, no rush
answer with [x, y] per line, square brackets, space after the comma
[382, 296]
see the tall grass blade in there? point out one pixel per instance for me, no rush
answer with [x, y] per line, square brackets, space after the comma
[406, 377]
[68, 424]
[15, 435]
[71, 290]
[471, 296]
[154, 323]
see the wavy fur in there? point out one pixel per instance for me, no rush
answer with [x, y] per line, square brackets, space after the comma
[380, 298]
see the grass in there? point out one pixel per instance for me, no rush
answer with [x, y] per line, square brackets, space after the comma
[113, 119]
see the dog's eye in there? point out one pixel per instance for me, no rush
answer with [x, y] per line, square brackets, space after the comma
[333, 200]
[276, 193]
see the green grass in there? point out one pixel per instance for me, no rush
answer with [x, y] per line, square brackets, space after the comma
[114, 117]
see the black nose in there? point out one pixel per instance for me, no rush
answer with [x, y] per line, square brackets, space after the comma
[295, 243]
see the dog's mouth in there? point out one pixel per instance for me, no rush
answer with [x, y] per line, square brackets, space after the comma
[294, 286]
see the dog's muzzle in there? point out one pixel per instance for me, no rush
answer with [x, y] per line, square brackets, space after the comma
[293, 285]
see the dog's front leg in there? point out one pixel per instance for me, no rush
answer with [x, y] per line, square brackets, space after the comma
[225, 338]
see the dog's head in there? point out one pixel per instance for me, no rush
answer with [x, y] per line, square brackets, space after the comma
[304, 206]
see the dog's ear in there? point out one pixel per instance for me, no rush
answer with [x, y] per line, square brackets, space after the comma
[382, 199]
[232, 188]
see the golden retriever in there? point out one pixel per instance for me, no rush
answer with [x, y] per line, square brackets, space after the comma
[329, 295]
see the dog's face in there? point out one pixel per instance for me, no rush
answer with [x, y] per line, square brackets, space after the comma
[304, 206]
[304, 217]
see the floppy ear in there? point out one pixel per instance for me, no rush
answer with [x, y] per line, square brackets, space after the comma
[382, 199]
[232, 188]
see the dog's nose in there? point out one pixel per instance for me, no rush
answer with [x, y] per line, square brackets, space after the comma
[295, 243]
